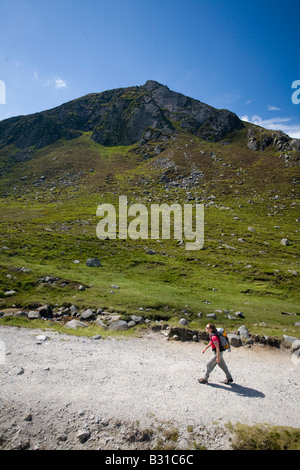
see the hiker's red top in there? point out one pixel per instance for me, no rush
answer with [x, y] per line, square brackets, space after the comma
[214, 339]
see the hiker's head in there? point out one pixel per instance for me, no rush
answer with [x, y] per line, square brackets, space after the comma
[211, 328]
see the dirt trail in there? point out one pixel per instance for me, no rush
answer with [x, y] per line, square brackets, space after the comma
[74, 392]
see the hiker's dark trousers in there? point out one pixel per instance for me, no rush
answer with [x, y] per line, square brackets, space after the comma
[211, 364]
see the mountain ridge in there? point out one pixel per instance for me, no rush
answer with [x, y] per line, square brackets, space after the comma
[120, 117]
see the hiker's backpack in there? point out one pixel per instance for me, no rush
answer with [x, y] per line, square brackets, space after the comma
[224, 341]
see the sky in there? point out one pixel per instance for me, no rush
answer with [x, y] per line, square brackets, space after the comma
[242, 55]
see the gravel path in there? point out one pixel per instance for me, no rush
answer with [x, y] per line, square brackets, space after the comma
[72, 392]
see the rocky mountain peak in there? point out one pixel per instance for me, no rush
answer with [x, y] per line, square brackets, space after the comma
[151, 85]
[120, 117]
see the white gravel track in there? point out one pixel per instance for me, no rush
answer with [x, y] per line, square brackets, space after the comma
[147, 379]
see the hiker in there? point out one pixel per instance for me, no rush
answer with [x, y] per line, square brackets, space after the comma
[217, 358]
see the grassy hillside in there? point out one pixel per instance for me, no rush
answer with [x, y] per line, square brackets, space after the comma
[48, 220]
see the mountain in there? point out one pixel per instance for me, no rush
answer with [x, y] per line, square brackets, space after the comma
[120, 117]
[154, 146]
[146, 121]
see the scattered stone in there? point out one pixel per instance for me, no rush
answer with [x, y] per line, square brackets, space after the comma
[28, 417]
[211, 315]
[285, 242]
[151, 252]
[73, 310]
[74, 324]
[268, 340]
[239, 314]
[184, 334]
[101, 323]
[10, 292]
[183, 322]
[41, 338]
[34, 315]
[83, 436]
[19, 371]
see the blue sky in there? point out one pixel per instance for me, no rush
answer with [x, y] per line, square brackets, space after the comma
[241, 55]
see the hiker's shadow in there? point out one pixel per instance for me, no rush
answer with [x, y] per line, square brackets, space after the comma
[240, 390]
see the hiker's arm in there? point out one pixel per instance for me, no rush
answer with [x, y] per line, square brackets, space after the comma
[206, 347]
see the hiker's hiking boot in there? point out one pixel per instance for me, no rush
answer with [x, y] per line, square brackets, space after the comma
[202, 381]
[228, 381]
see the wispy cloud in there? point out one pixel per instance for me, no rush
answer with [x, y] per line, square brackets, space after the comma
[276, 124]
[56, 82]
[249, 101]
[273, 108]
[60, 83]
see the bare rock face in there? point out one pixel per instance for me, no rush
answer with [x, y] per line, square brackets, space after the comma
[120, 117]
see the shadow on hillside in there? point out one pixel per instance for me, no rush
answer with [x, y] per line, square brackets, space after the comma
[240, 390]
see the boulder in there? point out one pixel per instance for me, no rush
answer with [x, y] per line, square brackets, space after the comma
[45, 311]
[93, 263]
[289, 339]
[119, 325]
[87, 315]
[234, 340]
[137, 319]
[296, 344]
[285, 242]
[243, 331]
